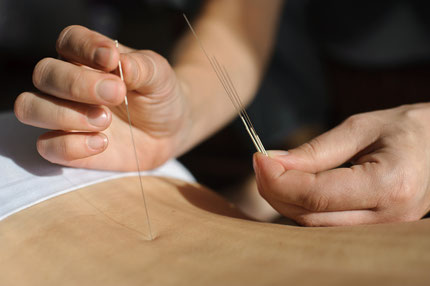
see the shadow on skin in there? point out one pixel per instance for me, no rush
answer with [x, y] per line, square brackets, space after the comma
[96, 236]
[19, 145]
[208, 201]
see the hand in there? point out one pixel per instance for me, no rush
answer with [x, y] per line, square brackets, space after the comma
[389, 179]
[81, 99]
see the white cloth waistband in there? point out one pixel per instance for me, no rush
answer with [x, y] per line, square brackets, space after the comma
[27, 179]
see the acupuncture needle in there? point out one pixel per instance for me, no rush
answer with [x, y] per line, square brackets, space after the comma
[229, 88]
[134, 148]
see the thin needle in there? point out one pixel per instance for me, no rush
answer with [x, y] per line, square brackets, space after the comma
[231, 92]
[135, 152]
[236, 104]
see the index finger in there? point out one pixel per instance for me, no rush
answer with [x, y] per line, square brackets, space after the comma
[338, 189]
[81, 45]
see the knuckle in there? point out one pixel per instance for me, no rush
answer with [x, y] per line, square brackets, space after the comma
[307, 220]
[272, 186]
[75, 84]
[362, 121]
[157, 67]
[61, 116]
[22, 107]
[311, 148]
[64, 149]
[56, 148]
[86, 47]
[151, 70]
[156, 58]
[416, 112]
[64, 36]
[357, 121]
[41, 148]
[403, 191]
[77, 40]
[44, 146]
[399, 188]
[40, 72]
[148, 68]
[314, 201]
[312, 198]
[133, 71]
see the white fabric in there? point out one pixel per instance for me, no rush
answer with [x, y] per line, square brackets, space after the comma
[27, 179]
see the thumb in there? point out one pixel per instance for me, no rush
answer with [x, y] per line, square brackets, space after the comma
[147, 72]
[267, 173]
[332, 148]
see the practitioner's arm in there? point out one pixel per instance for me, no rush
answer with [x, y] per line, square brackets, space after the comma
[240, 34]
[172, 108]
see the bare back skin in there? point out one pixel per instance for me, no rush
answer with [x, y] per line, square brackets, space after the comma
[98, 236]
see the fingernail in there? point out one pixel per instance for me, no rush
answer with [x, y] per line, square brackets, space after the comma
[107, 90]
[97, 117]
[102, 56]
[277, 153]
[97, 142]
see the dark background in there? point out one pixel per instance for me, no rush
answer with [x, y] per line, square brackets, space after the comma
[332, 59]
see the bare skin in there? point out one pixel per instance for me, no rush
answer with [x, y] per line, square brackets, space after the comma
[98, 236]
[175, 106]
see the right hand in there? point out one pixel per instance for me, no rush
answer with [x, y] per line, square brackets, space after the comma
[80, 100]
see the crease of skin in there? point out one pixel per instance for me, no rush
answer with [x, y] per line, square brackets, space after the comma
[109, 217]
[62, 37]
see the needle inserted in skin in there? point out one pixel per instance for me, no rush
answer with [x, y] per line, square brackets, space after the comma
[231, 92]
[135, 151]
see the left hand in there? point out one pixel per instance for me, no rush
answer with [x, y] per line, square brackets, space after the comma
[389, 179]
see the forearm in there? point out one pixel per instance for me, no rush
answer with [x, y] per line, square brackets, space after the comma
[241, 35]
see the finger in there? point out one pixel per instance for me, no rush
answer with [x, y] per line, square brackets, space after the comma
[340, 189]
[147, 72]
[81, 45]
[339, 218]
[78, 83]
[52, 113]
[61, 148]
[334, 147]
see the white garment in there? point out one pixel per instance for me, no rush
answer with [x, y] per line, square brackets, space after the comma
[27, 179]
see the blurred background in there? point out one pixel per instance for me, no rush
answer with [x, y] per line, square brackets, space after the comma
[332, 59]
